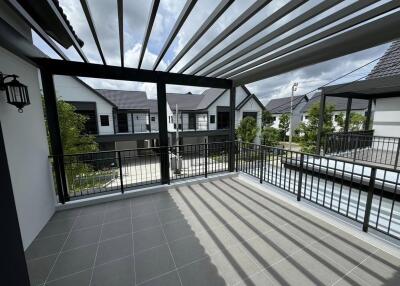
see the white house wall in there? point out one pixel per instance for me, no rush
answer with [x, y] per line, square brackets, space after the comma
[250, 106]
[387, 117]
[27, 150]
[69, 89]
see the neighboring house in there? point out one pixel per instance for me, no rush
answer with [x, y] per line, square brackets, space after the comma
[279, 106]
[386, 116]
[358, 106]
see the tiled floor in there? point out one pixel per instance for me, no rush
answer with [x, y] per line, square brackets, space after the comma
[222, 232]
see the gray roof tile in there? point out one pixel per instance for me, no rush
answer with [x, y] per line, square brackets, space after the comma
[124, 99]
[282, 105]
[340, 103]
[389, 64]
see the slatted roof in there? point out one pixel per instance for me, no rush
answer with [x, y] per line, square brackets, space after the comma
[290, 37]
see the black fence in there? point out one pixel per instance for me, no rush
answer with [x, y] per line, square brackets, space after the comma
[362, 192]
[364, 146]
[365, 193]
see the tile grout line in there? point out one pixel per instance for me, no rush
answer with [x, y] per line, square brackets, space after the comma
[351, 270]
[169, 248]
[59, 253]
[131, 205]
[98, 246]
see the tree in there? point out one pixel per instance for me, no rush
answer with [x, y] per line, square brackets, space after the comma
[247, 130]
[72, 126]
[308, 131]
[356, 121]
[284, 122]
[270, 136]
[267, 119]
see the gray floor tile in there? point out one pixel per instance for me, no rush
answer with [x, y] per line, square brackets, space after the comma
[169, 215]
[176, 230]
[152, 263]
[142, 200]
[145, 221]
[258, 279]
[220, 269]
[77, 279]
[61, 215]
[45, 246]
[116, 273]
[116, 205]
[94, 209]
[39, 269]
[305, 268]
[89, 220]
[73, 261]
[117, 214]
[114, 248]
[56, 227]
[169, 279]
[117, 228]
[82, 237]
[143, 209]
[148, 238]
[379, 269]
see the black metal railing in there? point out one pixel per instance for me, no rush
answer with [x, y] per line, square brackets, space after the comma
[365, 193]
[364, 146]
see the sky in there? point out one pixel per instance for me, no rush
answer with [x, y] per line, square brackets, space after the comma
[136, 12]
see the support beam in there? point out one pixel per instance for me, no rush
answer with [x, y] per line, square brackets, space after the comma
[149, 27]
[89, 18]
[368, 115]
[50, 102]
[303, 54]
[320, 123]
[71, 68]
[214, 16]
[163, 132]
[348, 111]
[12, 251]
[232, 105]
[175, 29]
[121, 30]
[244, 17]
[264, 24]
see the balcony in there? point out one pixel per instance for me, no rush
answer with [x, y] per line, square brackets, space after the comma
[282, 219]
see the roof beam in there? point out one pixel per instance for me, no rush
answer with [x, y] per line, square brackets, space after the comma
[244, 17]
[35, 26]
[345, 43]
[214, 16]
[267, 22]
[88, 15]
[312, 12]
[71, 68]
[293, 37]
[150, 22]
[121, 29]
[175, 29]
[69, 32]
[368, 15]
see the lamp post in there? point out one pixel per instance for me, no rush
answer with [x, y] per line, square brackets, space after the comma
[294, 88]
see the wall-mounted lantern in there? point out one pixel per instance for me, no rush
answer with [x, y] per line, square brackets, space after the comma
[17, 93]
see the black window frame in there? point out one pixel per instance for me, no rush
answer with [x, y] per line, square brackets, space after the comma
[104, 120]
[212, 119]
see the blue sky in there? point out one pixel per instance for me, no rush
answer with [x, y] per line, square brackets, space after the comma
[135, 17]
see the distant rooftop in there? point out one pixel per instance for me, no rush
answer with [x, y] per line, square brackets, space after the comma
[124, 99]
[340, 103]
[389, 64]
[282, 105]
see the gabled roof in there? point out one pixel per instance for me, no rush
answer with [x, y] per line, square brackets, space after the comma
[153, 105]
[389, 63]
[124, 99]
[94, 90]
[185, 101]
[282, 105]
[340, 103]
[247, 98]
[210, 95]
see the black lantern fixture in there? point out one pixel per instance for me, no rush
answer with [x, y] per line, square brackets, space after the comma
[17, 93]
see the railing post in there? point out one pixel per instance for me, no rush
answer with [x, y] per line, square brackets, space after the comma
[355, 148]
[300, 177]
[237, 154]
[396, 161]
[205, 158]
[120, 171]
[369, 199]
[262, 164]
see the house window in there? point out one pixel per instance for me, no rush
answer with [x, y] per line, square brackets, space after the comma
[104, 121]
[250, 114]
[192, 121]
[122, 120]
[153, 118]
[212, 118]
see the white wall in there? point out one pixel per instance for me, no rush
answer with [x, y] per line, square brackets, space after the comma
[387, 117]
[69, 89]
[27, 151]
